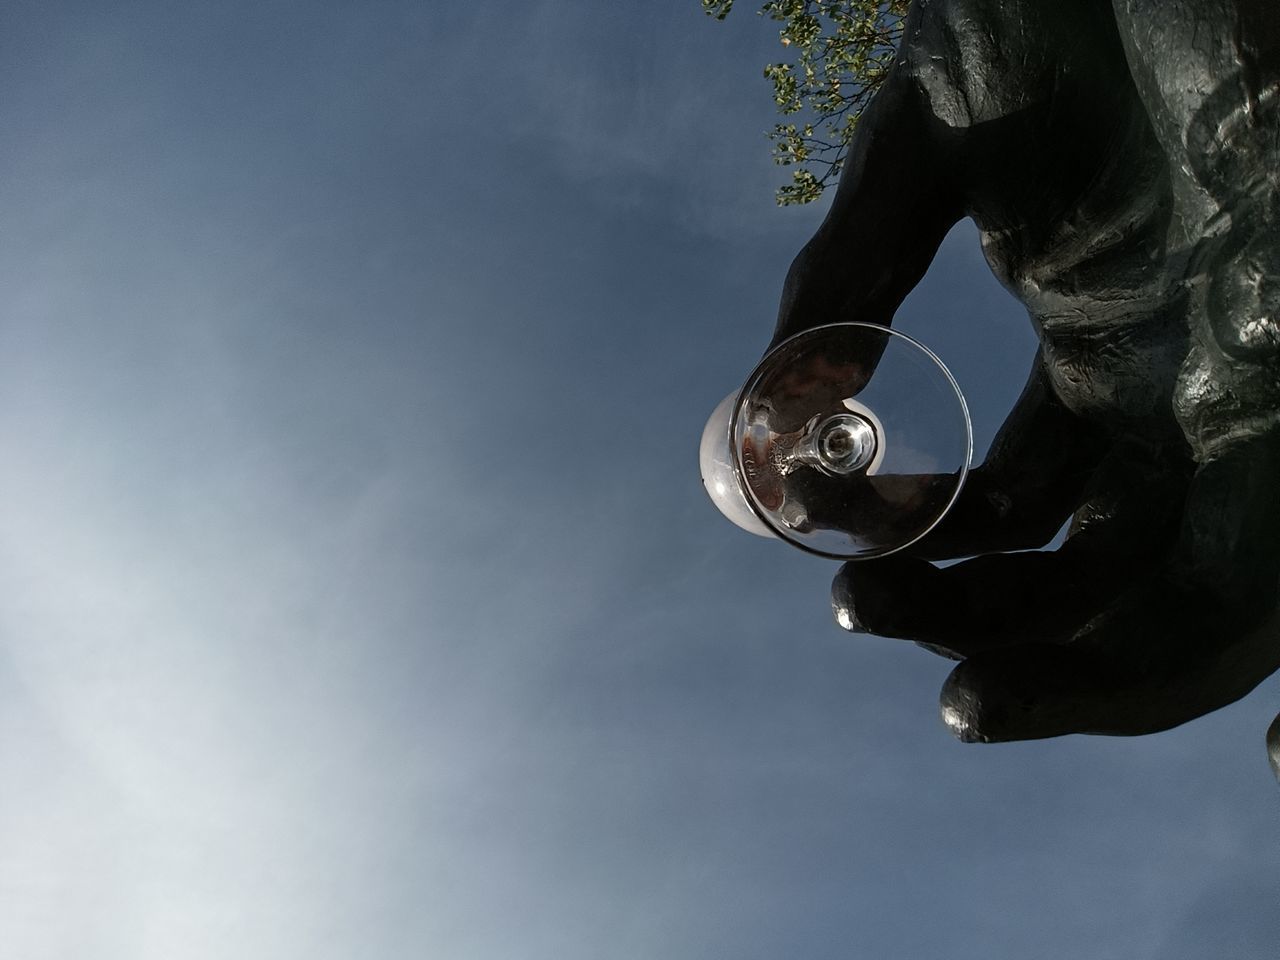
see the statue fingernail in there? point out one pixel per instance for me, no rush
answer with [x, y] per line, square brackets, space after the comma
[1273, 746]
[845, 617]
[842, 604]
[978, 708]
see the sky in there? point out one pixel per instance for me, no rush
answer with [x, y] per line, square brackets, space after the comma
[358, 594]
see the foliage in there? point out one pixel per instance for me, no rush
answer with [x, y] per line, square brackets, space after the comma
[842, 50]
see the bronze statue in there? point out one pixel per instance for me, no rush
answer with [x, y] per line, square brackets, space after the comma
[1122, 163]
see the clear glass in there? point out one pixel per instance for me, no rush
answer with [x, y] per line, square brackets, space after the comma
[715, 458]
[849, 440]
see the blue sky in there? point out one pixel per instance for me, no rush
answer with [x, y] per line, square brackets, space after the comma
[360, 595]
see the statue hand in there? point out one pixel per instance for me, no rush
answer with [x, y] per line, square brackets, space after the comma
[1159, 607]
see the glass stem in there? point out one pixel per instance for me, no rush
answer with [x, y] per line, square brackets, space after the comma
[838, 445]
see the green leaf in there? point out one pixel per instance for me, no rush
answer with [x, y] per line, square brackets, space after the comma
[841, 51]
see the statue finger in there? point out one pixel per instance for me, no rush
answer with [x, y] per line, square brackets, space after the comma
[1150, 662]
[1034, 476]
[980, 604]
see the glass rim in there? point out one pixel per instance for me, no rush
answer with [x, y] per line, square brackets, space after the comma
[740, 474]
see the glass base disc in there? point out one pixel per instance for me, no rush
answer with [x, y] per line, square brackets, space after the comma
[850, 440]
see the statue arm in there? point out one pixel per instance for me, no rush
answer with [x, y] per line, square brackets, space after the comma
[895, 203]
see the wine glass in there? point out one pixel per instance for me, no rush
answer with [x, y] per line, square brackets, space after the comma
[849, 440]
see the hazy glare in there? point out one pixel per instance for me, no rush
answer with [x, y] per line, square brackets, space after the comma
[360, 598]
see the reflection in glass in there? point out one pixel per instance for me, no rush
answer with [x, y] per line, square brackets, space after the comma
[848, 440]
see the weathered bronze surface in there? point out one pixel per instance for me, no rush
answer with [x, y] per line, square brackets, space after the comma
[1122, 163]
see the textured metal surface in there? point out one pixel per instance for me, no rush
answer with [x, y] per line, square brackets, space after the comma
[1122, 163]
